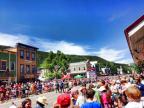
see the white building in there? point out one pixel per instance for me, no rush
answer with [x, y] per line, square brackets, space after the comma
[81, 67]
[42, 73]
[120, 70]
[78, 67]
[93, 63]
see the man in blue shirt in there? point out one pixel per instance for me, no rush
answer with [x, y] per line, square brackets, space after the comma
[90, 103]
[140, 85]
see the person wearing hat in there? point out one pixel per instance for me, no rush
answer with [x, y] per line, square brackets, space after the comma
[124, 85]
[63, 101]
[74, 94]
[82, 96]
[41, 102]
[13, 105]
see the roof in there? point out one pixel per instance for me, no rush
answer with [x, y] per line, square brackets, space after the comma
[20, 44]
[133, 29]
[11, 49]
[7, 51]
[133, 25]
[83, 62]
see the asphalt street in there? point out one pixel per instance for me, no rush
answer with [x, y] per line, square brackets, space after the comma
[51, 96]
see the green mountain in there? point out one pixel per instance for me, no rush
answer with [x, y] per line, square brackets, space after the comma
[73, 58]
[41, 56]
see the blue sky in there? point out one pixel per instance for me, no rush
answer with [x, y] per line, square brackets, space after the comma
[82, 27]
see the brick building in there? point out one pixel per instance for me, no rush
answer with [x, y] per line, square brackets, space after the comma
[24, 62]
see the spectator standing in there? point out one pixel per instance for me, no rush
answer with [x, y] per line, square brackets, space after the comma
[134, 98]
[57, 86]
[63, 101]
[81, 97]
[62, 86]
[90, 103]
[26, 103]
[40, 87]
[140, 85]
[74, 94]
[41, 102]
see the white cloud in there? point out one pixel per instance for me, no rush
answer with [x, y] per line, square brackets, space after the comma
[118, 56]
[46, 45]
[67, 48]
[11, 40]
[125, 60]
[111, 54]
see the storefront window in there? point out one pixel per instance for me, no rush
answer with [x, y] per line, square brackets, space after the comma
[22, 54]
[3, 65]
[28, 68]
[33, 69]
[33, 56]
[28, 55]
[22, 69]
[12, 65]
[74, 69]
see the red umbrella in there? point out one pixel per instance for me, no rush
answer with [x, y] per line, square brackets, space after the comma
[66, 77]
[91, 69]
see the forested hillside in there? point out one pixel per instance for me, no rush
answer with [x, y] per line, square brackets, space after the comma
[41, 56]
[73, 58]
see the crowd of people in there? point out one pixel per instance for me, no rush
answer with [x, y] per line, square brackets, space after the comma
[106, 92]
[22, 90]
[122, 92]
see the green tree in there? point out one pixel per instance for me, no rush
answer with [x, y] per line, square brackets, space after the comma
[56, 64]
[136, 68]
